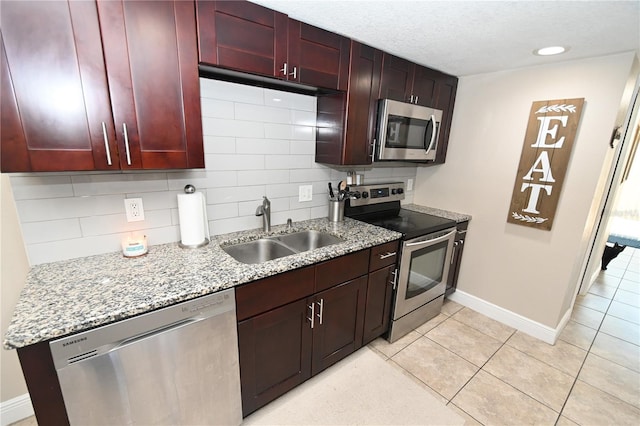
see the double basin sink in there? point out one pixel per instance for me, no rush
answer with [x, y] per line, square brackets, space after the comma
[270, 248]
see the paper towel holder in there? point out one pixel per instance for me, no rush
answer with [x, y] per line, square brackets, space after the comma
[190, 189]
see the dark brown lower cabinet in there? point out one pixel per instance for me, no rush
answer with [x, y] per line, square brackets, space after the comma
[379, 294]
[275, 354]
[339, 317]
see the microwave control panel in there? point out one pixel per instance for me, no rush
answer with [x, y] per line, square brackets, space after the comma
[376, 193]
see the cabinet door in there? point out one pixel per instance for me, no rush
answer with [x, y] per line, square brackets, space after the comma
[150, 51]
[424, 86]
[397, 78]
[378, 305]
[275, 353]
[339, 318]
[55, 99]
[242, 36]
[317, 57]
[445, 100]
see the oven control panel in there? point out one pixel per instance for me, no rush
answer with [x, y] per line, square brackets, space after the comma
[376, 193]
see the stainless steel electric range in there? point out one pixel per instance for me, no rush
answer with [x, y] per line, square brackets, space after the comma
[427, 248]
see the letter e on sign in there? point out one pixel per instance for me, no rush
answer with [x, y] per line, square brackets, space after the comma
[548, 142]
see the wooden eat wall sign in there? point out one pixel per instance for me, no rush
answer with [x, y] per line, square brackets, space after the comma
[545, 155]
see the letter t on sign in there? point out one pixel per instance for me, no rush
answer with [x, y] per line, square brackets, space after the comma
[548, 142]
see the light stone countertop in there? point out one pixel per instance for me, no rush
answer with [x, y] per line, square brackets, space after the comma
[71, 296]
[458, 217]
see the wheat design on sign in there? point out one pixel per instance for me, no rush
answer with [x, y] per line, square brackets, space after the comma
[529, 219]
[556, 108]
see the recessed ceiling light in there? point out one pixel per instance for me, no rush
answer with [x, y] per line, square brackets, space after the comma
[551, 50]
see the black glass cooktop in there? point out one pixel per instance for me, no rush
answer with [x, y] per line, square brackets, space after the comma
[411, 224]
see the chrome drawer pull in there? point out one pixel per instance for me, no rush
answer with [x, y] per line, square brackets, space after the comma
[126, 142]
[386, 255]
[321, 306]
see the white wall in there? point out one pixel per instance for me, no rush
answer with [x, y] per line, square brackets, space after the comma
[257, 142]
[526, 271]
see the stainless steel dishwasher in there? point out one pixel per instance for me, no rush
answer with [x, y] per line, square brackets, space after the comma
[174, 366]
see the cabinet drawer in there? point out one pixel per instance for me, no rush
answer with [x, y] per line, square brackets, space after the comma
[383, 255]
[341, 269]
[269, 293]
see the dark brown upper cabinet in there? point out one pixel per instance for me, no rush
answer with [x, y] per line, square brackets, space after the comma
[246, 37]
[101, 85]
[406, 81]
[347, 121]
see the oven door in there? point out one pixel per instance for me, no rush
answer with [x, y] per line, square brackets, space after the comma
[424, 268]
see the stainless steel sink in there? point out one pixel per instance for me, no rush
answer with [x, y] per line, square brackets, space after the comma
[258, 251]
[308, 240]
[275, 247]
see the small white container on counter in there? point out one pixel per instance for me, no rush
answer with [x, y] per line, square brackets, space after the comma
[134, 245]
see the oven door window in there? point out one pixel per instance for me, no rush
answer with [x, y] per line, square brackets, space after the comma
[407, 132]
[426, 269]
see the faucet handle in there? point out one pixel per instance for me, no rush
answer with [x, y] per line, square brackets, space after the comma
[289, 223]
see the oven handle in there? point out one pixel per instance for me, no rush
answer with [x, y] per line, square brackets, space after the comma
[432, 240]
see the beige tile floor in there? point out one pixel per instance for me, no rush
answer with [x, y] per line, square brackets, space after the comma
[494, 375]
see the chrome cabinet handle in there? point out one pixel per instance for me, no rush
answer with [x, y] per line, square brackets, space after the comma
[312, 306]
[294, 73]
[395, 278]
[387, 255]
[433, 133]
[411, 99]
[284, 69]
[321, 309]
[126, 143]
[416, 100]
[106, 143]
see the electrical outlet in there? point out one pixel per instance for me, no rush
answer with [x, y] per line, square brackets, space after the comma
[410, 185]
[134, 209]
[305, 192]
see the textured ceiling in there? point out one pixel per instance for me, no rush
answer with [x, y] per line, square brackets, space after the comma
[472, 37]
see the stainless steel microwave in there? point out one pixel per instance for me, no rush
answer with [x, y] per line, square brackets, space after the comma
[407, 132]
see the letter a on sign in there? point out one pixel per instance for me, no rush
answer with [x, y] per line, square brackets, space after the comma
[548, 142]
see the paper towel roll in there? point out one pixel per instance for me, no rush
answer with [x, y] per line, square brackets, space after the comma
[194, 226]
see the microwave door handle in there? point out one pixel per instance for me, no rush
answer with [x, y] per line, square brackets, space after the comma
[432, 240]
[433, 133]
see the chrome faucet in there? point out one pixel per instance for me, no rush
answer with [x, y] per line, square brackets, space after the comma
[264, 210]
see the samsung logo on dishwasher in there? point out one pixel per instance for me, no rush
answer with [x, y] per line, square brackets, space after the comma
[74, 341]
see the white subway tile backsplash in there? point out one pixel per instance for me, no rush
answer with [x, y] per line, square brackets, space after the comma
[106, 224]
[51, 230]
[261, 113]
[257, 142]
[288, 161]
[236, 162]
[298, 147]
[262, 146]
[236, 128]
[235, 194]
[118, 183]
[268, 177]
[222, 211]
[219, 144]
[216, 108]
[32, 187]
[66, 208]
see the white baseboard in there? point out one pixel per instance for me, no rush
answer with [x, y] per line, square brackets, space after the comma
[15, 409]
[517, 321]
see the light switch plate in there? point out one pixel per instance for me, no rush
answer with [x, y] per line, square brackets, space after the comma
[305, 192]
[410, 185]
[134, 209]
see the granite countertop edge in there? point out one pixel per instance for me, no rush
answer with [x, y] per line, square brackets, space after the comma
[67, 297]
[458, 217]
